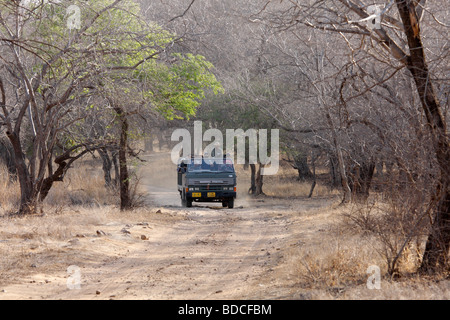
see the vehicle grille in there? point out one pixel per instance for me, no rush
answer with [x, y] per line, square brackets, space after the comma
[211, 188]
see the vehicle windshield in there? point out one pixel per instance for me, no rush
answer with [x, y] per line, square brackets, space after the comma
[210, 165]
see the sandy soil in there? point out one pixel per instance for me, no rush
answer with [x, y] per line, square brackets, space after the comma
[200, 253]
[203, 252]
[168, 252]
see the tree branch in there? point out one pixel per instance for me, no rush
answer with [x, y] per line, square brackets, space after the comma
[184, 13]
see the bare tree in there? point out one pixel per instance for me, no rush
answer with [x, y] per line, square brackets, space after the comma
[397, 43]
[51, 70]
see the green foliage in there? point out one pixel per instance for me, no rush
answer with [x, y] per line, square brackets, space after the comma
[180, 87]
[125, 51]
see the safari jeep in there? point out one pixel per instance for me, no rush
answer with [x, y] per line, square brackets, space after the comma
[207, 180]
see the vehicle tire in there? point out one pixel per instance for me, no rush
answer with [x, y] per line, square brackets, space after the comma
[224, 204]
[231, 203]
[183, 200]
[188, 203]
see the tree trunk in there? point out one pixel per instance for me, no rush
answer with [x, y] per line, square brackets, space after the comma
[360, 180]
[438, 244]
[334, 172]
[7, 154]
[259, 181]
[340, 161]
[252, 189]
[47, 184]
[64, 161]
[313, 185]
[28, 198]
[436, 255]
[301, 164]
[124, 178]
[107, 166]
[114, 156]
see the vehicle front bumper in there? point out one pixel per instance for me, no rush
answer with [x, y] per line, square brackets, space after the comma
[205, 196]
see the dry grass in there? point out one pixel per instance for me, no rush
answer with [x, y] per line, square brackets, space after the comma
[400, 232]
[284, 184]
[82, 186]
[51, 242]
[74, 208]
[330, 260]
[36, 240]
[327, 259]
[9, 192]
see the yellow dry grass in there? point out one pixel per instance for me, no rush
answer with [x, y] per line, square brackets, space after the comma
[82, 186]
[284, 184]
[9, 192]
[326, 258]
[49, 242]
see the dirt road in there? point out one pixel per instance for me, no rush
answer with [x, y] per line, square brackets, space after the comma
[203, 252]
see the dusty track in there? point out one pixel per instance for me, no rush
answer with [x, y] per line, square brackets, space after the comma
[204, 252]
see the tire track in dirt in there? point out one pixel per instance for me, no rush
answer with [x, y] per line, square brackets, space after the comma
[207, 252]
[215, 253]
[212, 254]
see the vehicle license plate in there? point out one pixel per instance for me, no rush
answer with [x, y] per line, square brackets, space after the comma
[211, 194]
[196, 195]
